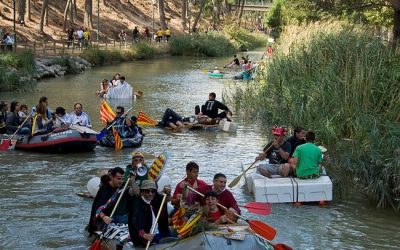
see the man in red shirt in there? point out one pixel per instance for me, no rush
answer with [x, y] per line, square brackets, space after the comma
[181, 192]
[225, 197]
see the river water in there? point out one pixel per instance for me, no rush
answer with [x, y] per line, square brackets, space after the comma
[40, 209]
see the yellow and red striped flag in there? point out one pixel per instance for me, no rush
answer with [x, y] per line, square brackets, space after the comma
[106, 113]
[144, 120]
[117, 139]
[178, 219]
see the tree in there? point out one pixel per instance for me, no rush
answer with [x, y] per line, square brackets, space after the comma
[45, 6]
[184, 12]
[28, 11]
[88, 14]
[21, 11]
[68, 9]
[197, 18]
[161, 11]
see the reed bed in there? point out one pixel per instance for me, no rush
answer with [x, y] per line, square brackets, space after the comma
[15, 71]
[344, 83]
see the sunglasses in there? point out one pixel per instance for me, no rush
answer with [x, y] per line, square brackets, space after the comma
[119, 113]
[148, 191]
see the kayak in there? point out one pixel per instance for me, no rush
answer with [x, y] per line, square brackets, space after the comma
[70, 140]
[216, 75]
[238, 238]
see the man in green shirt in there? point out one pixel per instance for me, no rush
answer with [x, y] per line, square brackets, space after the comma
[307, 158]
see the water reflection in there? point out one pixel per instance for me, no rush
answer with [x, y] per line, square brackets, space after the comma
[38, 202]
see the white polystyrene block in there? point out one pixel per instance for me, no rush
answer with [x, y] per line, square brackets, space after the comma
[282, 190]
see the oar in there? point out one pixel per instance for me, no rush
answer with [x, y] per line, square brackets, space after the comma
[97, 243]
[235, 181]
[261, 208]
[103, 132]
[5, 144]
[258, 227]
[153, 227]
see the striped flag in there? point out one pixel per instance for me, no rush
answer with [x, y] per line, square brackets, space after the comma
[144, 120]
[117, 139]
[106, 113]
[178, 219]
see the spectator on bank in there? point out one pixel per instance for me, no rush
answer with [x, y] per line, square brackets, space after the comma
[146, 33]
[167, 34]
[79, 35]
[122, 37]
[86, 38]
[159, 35]
[135, 34]
[70, 36]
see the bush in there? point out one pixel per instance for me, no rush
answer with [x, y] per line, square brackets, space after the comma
[245, 39]
[343, 83]
[202, 44]
[15, 71]
[143, 50]
[95, 56]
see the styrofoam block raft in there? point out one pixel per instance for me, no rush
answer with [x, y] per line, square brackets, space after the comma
[283, 190]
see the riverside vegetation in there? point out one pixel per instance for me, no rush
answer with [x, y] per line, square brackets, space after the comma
[344, 83]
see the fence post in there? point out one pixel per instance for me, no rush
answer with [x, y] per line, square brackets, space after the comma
[114, 43]
[54, 47]
[106, 43]
[44, 47]
[34, 47]
[63, 49]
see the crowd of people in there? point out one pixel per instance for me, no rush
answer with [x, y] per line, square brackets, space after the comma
[41, 120]
[140, 202]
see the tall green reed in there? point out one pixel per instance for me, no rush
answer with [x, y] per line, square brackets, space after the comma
[343, 83]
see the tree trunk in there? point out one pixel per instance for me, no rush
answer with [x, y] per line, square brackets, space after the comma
[241, 12]
[238, 7]
[87, 18]
[197, 19]
[67, 7]
[74, 12]
[184, 10]
[396, 21]
[42, 14]
[72, 16]
[46, 17]
[28, 11]
[161, 11]
[21, 11]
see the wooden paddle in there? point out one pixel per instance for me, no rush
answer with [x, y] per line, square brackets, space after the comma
[258, 227]
[5, 144]
[97, 243]
[235, 181]
[153, 227]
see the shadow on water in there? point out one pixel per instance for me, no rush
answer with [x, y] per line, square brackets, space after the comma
[38, 202]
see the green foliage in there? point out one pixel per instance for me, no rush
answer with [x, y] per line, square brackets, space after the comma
[95, 56]
[274, 18]
[202, 44]
[15, 70]
[343, 83]
[143, 50]
[68, 63]
[245, 39]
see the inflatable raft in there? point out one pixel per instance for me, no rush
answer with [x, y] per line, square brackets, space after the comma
[71, 140]
[240, 238]
[216, 75]
[134, 142]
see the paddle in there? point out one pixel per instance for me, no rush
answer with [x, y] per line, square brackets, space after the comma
[97, 243]
[261, 208]
[103, 132]
[258, 227]
[235, 181]
[153, 227]
[5, 144]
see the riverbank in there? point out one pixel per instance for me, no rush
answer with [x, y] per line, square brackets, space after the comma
[23, 70]
[342, 82]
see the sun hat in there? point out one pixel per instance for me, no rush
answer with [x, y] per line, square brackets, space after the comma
[137, 154]
[148, 184]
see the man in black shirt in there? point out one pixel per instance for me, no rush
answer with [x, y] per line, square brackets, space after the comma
[277, 153]
[211, 107]
[297, 138]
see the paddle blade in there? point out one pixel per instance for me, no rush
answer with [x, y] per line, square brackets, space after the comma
[96, 245]
[5, 144]
[262, 229]
[281, 246]
[235, 181]
[102, 133]
[261, 208]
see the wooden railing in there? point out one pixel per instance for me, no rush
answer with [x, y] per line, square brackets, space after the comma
[65, 47]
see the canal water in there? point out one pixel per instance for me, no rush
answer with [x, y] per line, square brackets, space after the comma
[40, 209]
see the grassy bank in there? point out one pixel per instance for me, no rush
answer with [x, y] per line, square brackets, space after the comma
[342, 82]
[15, 71]
[214, 44]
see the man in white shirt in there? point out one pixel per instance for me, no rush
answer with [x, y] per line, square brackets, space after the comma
[78, 117]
